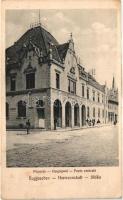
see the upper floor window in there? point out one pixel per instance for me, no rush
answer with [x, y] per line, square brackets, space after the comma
[13, 83]
[83, 90]
[7, 110]
[87, 93]
[93, 95]
[57, 80]
[21, 109]
[98, 97]
[71, 86]
[30, 80]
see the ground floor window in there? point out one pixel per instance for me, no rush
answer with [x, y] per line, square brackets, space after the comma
[21, 109]
[98, 112]
[93, 112]
[7, 110]
[102, 113]
[88, 112]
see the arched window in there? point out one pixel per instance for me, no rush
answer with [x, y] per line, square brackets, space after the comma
[7, 110]
[93, 112]
[21, 109]
[98, 112]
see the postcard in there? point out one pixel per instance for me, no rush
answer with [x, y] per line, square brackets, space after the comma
[61, 99]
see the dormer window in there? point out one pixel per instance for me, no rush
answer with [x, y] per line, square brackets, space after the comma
[30, 80]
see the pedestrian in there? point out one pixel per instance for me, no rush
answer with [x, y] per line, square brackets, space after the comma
[98, 121]
[114, 122]
[93, 122]
[90, 122]
[28, 127]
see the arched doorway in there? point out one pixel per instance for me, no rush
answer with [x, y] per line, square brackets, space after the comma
[57, 113]
[68, 114]
[76, 115]
[83, 115]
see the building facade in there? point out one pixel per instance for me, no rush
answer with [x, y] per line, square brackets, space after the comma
[46, 83]
[113, 103]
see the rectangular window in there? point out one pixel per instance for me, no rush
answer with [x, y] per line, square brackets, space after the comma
[83, 90]
[13, 83]
[87, 93]
[30, 81]
[93, 95]
[71, 86]
[57, 80]
[98, 97]
[68, 85]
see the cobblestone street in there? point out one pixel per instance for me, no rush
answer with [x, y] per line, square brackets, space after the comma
[85, 147]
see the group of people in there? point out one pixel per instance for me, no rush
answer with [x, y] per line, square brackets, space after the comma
[88, 121]
[92, 122]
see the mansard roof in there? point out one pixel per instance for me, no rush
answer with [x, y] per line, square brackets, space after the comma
[42, 39]
[62, 50]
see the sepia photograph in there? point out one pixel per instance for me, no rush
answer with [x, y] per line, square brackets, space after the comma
[62, 88]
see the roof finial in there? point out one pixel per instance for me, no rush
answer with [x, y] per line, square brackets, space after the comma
[71, 36]
[113, 82]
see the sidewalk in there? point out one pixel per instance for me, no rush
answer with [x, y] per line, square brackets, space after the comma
[61, 129]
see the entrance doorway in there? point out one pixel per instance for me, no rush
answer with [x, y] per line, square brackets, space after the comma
[57, 113]
[83, 115]
[68, 114]
[76, 115]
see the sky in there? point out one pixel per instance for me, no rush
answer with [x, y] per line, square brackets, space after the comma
[94, 34]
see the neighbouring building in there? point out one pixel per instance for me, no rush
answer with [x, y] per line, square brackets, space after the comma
[113, 103]
[46, 83]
